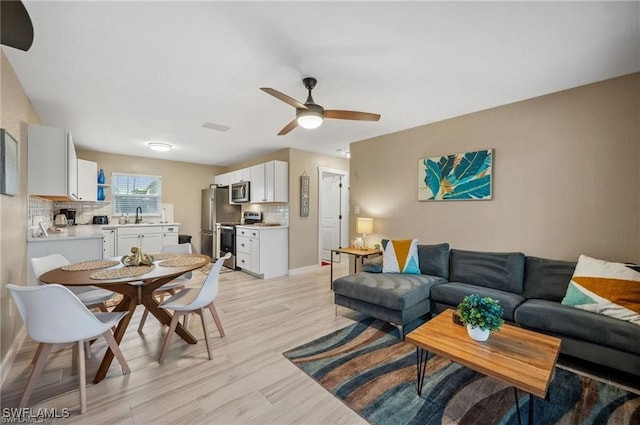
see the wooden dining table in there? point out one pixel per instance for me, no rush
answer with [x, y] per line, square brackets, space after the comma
[135, 290]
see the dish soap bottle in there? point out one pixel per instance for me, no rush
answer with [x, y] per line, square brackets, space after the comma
[123, 220]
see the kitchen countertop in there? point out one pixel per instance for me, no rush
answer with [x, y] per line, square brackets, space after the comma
[88, 231]
[264, 226]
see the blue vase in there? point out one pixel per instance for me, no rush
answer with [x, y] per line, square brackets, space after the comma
[101, 177]
[100, 193]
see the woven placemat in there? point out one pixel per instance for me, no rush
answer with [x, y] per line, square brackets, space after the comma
[122, 272]
[182, 261]
[90, 265]
[164, 255]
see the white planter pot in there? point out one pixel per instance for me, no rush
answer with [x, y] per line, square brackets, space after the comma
[477, 333]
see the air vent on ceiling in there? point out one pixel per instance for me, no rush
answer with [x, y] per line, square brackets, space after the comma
[216, 127]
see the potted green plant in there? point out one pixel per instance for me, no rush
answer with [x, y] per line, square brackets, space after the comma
[481, 315]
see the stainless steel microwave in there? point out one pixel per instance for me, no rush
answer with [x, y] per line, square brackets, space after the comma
[240, 192]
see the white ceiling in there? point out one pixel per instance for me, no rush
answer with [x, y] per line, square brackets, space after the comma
[120, 74]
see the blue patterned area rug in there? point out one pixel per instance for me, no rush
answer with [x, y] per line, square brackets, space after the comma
[373, 372]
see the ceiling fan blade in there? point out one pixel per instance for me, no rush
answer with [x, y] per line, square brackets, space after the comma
[283, 97]
[351, 115]
[16, 28]
[287, 128]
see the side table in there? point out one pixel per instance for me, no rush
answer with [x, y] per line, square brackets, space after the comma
[357, 253]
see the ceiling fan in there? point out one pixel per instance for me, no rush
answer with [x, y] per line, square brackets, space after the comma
[310, 115]
[16, 28]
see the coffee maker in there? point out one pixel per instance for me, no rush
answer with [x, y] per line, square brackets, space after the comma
[71, 215]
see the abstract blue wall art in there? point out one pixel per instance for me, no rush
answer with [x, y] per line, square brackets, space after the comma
[462, 176]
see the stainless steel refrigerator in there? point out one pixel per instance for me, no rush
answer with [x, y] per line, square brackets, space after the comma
[215, 209]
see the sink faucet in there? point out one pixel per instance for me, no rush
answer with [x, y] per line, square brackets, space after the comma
[138, 215]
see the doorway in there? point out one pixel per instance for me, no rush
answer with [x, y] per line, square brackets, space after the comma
[333, 212]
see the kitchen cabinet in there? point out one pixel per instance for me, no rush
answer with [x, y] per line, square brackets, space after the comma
[170, 235]
[222, 179]
[148, 238]
[108, 242]
[52, 163]
[242, 175]
[270, 182]
[263, 252]
[87, 177]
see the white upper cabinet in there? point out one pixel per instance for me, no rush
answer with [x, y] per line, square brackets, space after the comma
[270, 182]
[52, 163]
[223, 179]
[87, 180]
[242, 175]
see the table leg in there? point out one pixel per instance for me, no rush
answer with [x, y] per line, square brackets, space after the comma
[530, 408]
[530, 415]
[515, 395]
[421, 368]
[128, 304]
[331, 267]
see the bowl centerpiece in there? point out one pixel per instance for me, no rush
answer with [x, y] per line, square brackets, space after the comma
[481, 315]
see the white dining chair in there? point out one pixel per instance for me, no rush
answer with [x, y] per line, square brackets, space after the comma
[91, 296]
[170, 288]
[54, 315]
[195, 300]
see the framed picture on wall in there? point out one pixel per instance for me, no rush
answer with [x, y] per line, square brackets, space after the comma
[456, 177]
[8, 164]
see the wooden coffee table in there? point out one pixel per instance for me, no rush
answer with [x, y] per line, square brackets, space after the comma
[519, 357]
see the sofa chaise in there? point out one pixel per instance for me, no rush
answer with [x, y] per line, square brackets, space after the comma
[530, 290]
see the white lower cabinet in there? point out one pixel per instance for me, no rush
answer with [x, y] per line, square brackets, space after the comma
[148, 238]
[263, 252]
[108, 243]
[170, 235]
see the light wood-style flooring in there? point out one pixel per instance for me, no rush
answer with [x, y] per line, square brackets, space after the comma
[248, 381]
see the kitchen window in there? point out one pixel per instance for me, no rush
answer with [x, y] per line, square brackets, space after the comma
[130, 191]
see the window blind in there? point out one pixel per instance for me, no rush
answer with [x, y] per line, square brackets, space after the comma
[130, 191]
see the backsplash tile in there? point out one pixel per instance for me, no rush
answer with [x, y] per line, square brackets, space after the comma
[277, 212]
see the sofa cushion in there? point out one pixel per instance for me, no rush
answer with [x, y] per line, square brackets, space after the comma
[452, 293]
[434, 259]
[373, 265]
[547, 279]
[561, 320]
[400, 256]
[392, 290]
[497, 270]
[604, 287]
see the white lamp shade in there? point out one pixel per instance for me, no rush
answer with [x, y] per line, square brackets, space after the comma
[309, 119]
[364, 225]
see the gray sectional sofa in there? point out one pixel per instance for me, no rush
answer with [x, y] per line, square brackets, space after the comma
[529, 289]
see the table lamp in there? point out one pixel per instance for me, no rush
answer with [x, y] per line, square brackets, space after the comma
[364, 225]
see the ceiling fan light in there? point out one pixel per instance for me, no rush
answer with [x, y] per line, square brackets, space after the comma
[160, 147]
[309, 119]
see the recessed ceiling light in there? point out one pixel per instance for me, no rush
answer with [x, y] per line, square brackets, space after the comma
[160, 147]
[347, 154]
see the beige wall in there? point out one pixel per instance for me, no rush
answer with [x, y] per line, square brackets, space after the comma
[566, 177]
[182, 184]
[303, 231]
[15, 112]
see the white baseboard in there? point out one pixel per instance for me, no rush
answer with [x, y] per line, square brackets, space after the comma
[305, 269]
[7, 362]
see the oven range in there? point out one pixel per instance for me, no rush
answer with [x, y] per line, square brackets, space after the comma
[227, 236]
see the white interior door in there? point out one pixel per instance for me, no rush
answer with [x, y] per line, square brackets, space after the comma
[333, 212]
[330, 214]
